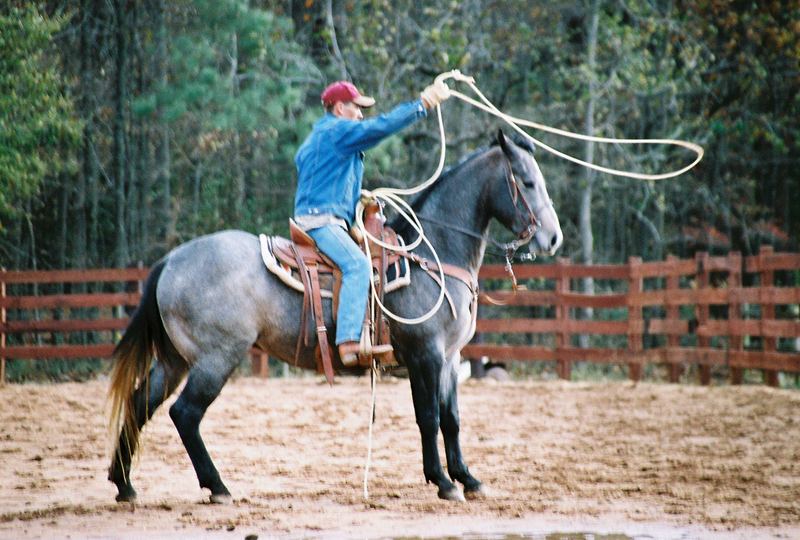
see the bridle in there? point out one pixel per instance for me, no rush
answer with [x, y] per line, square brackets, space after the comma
[531, 221]
[508, 249]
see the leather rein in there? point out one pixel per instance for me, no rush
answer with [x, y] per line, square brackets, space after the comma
[509, 249]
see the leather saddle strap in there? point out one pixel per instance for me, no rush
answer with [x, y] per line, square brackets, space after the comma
[457, 272]
[303, 335]
[466, 277]
[322, 332]
[448, 269]
[337, 287]
[435, 276]
[381, 323]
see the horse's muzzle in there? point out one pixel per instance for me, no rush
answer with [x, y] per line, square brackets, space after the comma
[546, 241]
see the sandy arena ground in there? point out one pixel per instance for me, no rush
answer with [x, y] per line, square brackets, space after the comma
[646, 461]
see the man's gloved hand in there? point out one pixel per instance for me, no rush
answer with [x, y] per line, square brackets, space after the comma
[434, 94]
[367, 198]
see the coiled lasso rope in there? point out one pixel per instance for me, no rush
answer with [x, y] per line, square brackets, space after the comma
[516, 122]
[392, 196]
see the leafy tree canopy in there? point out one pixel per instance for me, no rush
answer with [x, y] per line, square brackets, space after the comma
[37, 124]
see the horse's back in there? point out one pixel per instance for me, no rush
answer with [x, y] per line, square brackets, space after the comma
[214, 294]
[210, 265]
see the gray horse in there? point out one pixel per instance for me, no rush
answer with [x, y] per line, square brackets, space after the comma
[207, 302]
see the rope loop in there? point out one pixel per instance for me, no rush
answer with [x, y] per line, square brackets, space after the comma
[515, 122]
[392, 196]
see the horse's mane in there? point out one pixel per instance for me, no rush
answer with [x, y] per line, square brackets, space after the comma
[399, 224]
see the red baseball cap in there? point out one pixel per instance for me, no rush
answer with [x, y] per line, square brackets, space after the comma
[345, 92]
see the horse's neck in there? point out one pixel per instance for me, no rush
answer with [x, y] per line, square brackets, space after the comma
[459, 201]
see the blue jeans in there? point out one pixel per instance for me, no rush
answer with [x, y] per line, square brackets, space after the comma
[336, 244]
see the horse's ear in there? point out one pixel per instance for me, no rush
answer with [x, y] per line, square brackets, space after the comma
[504, 143]
[524, 143]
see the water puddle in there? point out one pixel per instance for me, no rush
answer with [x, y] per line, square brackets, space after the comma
[543, 536]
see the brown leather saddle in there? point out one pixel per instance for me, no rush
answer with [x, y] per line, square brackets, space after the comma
[301, 254]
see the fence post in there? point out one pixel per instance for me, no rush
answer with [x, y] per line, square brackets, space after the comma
[767, 279]
[259, 363]
[702, 312]
[635, 320]
[3, 327]
[140, 283]
[735, 341]
[564, 366]
[673, 313]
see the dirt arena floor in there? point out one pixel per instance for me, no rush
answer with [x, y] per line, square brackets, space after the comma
[638, 461]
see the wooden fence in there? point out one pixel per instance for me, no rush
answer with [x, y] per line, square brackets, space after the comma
[71, 314]
[731, 312]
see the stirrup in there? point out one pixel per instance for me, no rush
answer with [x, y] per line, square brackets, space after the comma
[367, 349]
[378, 350]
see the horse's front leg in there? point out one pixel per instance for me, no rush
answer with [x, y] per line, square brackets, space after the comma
[450, 423]
[424, 373]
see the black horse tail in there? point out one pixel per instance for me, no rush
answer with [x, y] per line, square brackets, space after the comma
[144, 338]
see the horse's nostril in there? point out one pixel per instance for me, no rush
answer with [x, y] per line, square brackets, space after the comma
[554, 241]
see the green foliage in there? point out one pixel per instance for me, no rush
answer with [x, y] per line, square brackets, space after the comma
[242, 84]
[208, 142]
[751, 102]
[235, 111]
[37, 125]
[19, 371]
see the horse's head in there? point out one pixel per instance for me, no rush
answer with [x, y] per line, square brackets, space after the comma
[529, 212]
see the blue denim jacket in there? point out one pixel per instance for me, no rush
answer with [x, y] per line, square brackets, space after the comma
[330, 162]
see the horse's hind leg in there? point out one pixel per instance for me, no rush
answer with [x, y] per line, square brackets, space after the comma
[450, 423]
[424, 374]
[203, 385]
[160, 384]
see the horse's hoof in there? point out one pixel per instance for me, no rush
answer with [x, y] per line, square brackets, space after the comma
[126, 495]
[451, 494]
[221, 498]
[477, 494]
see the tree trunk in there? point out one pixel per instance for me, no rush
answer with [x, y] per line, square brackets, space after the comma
[141, 157]
[93, 11]
[337, 54]
[132, 153]
[196, 183]
[238, 195]
[88, 173]
[585, 216]
[63, 219]
[121, 254]
[162, 142]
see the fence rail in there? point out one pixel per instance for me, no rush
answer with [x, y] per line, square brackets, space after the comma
[37, 324]
[732, 311]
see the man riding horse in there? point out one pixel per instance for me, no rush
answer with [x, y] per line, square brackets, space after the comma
[330, 168]
[176, 334]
